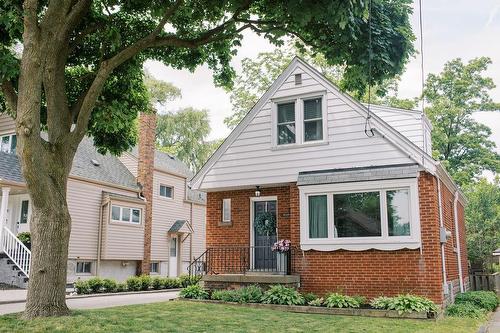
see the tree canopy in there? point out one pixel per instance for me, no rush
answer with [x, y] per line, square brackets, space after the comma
[454, 95]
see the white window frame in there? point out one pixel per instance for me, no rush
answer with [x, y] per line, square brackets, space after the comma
[83, 262]
[226, 201]
[9, 148]
[384, 242]
[299, 120]
[163, 196]
[130, 221]
[157, 263]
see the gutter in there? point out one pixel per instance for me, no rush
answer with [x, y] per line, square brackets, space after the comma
[457, 237]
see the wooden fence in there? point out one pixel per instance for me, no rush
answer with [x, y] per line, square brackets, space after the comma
[484, 281]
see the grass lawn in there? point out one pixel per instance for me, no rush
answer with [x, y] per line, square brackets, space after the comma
[182, 316]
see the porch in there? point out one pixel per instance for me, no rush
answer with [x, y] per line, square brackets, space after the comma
[228, 267]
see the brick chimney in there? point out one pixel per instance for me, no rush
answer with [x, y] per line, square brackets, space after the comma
[147, 137]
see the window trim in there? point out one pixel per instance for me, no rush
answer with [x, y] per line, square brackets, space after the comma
[299, 120]
[384, 242]
[157, 272]
[10, 136]
[165, 197]
[83, 262]
[129, 222]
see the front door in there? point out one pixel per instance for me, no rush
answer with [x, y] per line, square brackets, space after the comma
[173, 261]
[23, 216]
[264, 258]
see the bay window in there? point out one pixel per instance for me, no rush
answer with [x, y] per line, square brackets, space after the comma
[358, 216]
[125, 214]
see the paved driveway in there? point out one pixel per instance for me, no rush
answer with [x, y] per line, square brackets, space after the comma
[102, 301]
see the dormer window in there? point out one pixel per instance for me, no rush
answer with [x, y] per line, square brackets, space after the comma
[299, 121]
[8, 143]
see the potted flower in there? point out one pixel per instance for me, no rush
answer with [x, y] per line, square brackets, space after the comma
[282, 247]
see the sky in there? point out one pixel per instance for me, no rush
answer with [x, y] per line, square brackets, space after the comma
[452, 29]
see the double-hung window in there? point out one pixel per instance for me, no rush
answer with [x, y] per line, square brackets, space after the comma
[358, 216]
[313, 120]
[126, 214]
[300, 121]
[166, 191]
[8, 143]
[286, 123]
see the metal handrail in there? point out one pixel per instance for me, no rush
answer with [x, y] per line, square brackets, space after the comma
[16, 250]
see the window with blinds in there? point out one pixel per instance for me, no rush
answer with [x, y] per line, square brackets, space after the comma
[313, 122]
[286, 123]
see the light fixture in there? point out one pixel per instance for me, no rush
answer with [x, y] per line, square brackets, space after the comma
[257, 191]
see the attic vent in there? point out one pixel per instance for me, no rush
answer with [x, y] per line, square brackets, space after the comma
[298, 79]
[95, 162]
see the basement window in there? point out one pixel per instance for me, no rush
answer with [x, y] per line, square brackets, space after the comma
[155, 267]
[83, 267]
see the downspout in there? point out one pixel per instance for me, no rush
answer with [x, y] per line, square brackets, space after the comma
[99, 239]
[191, 234]
[457, 237]
[441, 224]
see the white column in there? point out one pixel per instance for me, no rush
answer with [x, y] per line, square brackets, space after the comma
[3, 210]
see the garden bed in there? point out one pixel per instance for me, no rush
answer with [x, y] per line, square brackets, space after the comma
[366, 312]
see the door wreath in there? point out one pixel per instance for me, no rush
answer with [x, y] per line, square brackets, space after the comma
[265, 223]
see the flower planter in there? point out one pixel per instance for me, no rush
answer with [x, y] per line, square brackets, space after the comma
[330, 311]
[282, 264]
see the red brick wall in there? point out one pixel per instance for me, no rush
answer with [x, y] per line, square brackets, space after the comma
[370, 273]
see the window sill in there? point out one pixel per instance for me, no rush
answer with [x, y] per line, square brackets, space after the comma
[300, 145]
[126, 224]
[386, 246]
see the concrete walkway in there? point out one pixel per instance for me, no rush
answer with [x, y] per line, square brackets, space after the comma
[493, 325]
[99, 302]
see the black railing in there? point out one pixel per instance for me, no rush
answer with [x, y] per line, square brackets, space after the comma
[242, 260]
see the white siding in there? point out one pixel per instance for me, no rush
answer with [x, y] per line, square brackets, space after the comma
[7, 125]
[251, 160]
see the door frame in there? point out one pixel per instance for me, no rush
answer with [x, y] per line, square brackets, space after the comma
[178, 237]
[252, 236]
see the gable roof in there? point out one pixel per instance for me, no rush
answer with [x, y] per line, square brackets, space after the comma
[108, 168]
[380, 126]
[168, 163]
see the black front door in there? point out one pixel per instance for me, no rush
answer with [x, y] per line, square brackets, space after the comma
[264, 258]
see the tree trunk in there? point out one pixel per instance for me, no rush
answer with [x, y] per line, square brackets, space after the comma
[50, 227]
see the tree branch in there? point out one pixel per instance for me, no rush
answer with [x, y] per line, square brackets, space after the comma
[10, 96]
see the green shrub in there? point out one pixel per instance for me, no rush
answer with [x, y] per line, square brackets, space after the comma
[250, 294]
[360, 299]
[336, 300]
[82, 287]
[282, 295]
[316, 302]
[25, 238]
[170, 283]
[405, 304]
[134, 283]
[157, 283]
[465, 310]
[194, 291]
[95, 284]
[381, 302]
[188, 280]
[109, 285]
[121, 287]
[145, 281]
[308, 297]
[484, 299]
[226, 295]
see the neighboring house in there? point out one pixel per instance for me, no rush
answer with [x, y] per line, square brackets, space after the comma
[367, 209]
[109, 236]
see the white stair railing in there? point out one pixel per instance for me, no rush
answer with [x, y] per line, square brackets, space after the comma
[16, 250]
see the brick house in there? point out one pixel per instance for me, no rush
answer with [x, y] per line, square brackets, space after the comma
[354, 188]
